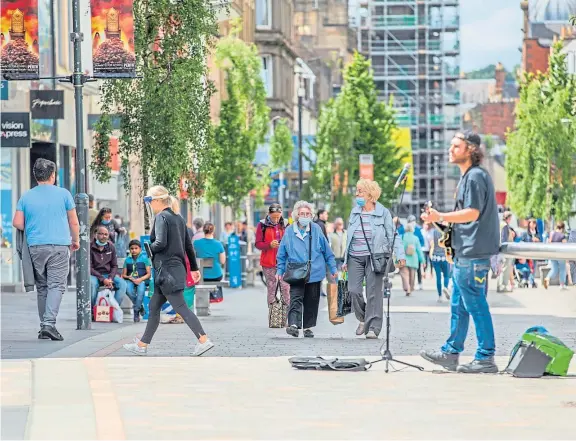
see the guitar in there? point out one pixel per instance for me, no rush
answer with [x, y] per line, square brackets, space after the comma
[446, 230]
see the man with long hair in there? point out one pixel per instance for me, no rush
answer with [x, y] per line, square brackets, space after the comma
[475, 238]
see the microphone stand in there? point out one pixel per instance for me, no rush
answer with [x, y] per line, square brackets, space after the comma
[385, 352]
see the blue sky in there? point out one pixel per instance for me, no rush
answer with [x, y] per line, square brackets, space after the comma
[491, 31]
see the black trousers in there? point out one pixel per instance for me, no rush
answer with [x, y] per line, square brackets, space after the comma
[304, 302]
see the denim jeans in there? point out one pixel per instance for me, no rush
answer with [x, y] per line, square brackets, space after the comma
[119, 287]
[136, 293]
[558, 268]
[469, 299]
[441, 268]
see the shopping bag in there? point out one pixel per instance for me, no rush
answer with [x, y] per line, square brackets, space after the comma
[277, 311]
[117, 313]
[332, 289]
[344, 299]
[217, 295]
[102, 310]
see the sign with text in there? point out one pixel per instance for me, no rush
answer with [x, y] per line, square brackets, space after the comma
[15, 129]
[4, 90]
[234, 263]
[19, 30]
[113, 52]
[47, 104]
[367, 167]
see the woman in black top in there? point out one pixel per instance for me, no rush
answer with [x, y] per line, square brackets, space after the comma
[170, 245]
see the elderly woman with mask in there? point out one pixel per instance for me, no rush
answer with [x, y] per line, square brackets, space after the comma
[369, 244]
[304, 241]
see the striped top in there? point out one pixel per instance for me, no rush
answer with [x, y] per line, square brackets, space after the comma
[439, 253]
[358, 246]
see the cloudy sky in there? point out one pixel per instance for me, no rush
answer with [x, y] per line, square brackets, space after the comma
[490, 32]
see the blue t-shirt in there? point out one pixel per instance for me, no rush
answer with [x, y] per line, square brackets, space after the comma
[210, 249]
[45, 210]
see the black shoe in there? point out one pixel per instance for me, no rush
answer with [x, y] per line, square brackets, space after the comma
[136, 317]
[479, 367]
[142, 311]
[41, 336]
[308, 333]
[292, 330]
[51, 332]
[447, 361]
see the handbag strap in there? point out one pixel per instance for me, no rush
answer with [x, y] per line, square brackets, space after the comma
[278, 291]
[310, 246]
[365, 238]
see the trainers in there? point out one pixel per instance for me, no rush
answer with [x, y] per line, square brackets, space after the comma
[135, 348]
[201, 348]
[136, 317]
[439, 299]
[50, 332]
[479, 367]
[563, 288]
[292, 330]
[360, 328]
[446, 293]
[42, 336]
[371, 335]
[420, 287]
[308, 333]
[447, 361]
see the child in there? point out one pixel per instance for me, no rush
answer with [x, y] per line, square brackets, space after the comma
[136, 271]
[524, 269]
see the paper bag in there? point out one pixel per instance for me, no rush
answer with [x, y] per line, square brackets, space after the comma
[332, 293]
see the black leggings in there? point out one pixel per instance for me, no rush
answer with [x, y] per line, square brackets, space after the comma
[177, 301]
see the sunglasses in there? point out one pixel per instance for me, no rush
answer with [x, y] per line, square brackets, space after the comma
[275, 210]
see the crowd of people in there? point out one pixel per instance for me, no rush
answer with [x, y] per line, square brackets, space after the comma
[297, 256]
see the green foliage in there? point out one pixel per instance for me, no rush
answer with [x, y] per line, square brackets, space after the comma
[281, 145]
[573, 20]
[165, 114]
[488, 73]
[540, 152]
[243, 123]
[354, 123]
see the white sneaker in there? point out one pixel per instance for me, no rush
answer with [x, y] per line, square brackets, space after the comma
[371, 335]
[202, 347]
[420, 287]
[439, 299]
[446, 293]
[563, 288]
[135, 348]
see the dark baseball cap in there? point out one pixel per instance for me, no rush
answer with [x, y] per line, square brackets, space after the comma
[470, 137]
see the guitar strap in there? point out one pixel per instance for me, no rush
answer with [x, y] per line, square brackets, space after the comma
[458, 187]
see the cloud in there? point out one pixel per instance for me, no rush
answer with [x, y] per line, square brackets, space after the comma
[490, 35]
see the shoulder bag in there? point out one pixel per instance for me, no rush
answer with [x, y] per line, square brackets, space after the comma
[298, 273]
[379, 260]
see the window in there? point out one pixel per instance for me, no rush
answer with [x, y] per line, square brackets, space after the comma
[267, 75]
[264, 14]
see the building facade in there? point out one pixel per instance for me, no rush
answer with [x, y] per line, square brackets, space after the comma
[414, 48]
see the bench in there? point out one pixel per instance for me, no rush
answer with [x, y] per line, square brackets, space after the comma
[203, 288]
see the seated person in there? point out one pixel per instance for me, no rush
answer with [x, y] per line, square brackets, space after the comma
[210, 248]
[525, 271]
[137, 270]
[104, 266]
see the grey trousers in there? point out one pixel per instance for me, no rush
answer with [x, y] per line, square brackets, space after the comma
[370, 311]
[51, 268]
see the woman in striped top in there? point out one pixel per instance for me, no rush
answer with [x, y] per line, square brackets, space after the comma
[370, 232]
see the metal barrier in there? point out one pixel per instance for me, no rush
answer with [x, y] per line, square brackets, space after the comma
[536, 250]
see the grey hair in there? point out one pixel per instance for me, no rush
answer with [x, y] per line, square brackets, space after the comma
[43, 169]
[198, 223]
[409, 228]
[298, 205]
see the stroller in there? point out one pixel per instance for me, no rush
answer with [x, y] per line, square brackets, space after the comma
[524, 273]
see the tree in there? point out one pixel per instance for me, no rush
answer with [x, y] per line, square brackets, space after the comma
[354, 123]
[165, 112]
[243, 122]
[540, 152]
[489, 72]
[281, 146]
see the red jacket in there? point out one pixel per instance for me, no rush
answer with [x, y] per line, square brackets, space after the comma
[265, 234]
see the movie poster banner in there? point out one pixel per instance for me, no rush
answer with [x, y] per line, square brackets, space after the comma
[113, 38]
[19, 35]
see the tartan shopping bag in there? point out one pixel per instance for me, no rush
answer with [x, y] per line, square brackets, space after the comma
[277, 311]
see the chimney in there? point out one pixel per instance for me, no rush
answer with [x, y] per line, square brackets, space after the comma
[524, 7]
[500, 77]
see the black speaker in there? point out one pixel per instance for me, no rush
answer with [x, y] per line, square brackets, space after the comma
[528, 362]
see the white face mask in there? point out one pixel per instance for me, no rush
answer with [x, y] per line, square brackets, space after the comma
[304, 221]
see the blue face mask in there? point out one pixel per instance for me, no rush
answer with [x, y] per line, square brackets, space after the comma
[106, 221]
[100, 244]
[304, 221]
[360, 202]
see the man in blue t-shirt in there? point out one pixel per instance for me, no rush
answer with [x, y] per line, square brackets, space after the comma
[47, 215]
[475, 239]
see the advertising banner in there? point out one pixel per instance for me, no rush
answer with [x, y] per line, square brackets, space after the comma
[403, 141]
[19, 34]
[15, 129]
[367, 167]
[47, 104]
[113, 38]
[234, 262]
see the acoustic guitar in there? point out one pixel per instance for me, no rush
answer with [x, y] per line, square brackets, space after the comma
[446, 230]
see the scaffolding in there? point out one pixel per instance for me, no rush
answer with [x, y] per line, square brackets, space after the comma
[414, 48]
